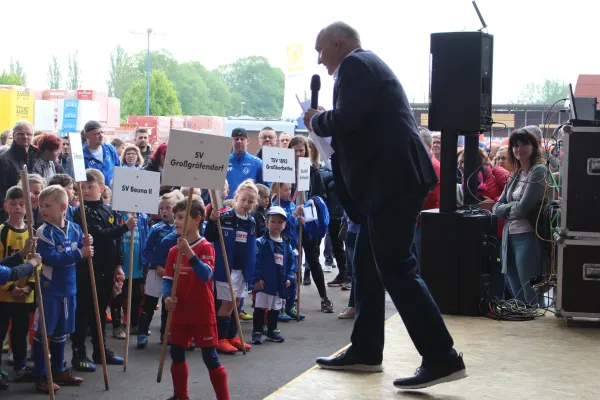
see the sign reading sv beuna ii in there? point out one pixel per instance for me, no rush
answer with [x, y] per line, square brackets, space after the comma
[196, 159]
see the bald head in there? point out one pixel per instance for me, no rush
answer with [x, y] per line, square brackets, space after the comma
[341, 30]
[334, 43]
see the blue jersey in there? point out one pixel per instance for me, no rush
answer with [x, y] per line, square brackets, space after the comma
[140, 235]
[166, 244]
[110, 160]
[241, 168]
[60, 250]
[152, 247]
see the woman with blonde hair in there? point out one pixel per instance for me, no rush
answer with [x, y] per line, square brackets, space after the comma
[131, 157]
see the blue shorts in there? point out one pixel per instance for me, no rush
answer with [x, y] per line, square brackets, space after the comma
[60, 315]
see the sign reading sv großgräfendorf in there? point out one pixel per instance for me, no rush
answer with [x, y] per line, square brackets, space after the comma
[196, 159]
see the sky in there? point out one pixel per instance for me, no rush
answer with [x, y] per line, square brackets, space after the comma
[533, 39]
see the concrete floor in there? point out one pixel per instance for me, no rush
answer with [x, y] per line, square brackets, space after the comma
[254, 376]
[540, 359]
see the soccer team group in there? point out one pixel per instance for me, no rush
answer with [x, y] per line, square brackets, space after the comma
[203, 310]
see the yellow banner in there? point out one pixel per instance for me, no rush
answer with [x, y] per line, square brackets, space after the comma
[295, 58]
[15, 106]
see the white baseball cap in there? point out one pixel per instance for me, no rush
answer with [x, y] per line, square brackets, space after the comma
[276, 210]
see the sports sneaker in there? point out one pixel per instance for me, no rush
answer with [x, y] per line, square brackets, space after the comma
[81, 362]
[225, 347]
[3, 373]
[283, 317]
[293, 313]
[191, 345]
[245, 317]
[108, 317]
[327, 306]
[327, 268]
[5, 347]
[275, 337]
[119, 333]
[111, 358]
[348, 313]
[265, 330]
[66, 378]
[237, 343]
[42, 386]
[256, 337]
[347, 286]
[142, 341]
[306, 281]
[10, 358]
[24, 375]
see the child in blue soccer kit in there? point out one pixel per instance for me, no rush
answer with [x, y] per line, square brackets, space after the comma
[61, 244]
[273, 275]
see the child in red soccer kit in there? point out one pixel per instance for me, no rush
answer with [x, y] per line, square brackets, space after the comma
[193, 305]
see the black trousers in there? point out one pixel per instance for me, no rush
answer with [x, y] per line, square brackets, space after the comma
[120, 303]
[336, 244]
[19, 329]
[385, 259]
[312, 252]
[85, 315]
[150, 303]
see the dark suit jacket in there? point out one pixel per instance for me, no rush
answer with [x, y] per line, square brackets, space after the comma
[379, 154]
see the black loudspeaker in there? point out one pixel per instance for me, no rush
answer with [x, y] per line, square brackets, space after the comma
[459, 254]
[460, 87]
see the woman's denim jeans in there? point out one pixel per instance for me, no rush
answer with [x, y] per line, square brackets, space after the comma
[523, 263]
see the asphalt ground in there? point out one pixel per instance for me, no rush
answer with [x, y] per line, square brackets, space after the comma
[255, 375]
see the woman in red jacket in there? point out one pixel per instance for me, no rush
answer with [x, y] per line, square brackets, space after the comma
[491, 180]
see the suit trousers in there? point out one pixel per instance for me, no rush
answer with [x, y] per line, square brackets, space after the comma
[385, 259]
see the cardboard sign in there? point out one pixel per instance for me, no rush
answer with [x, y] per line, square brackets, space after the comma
[279, 165]
[197, 160]
[135, 190]
[77, 156]
[303, 182]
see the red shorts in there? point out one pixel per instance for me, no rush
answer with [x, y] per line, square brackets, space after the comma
[204, 335]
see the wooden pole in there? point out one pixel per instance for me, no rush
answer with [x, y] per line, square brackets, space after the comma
[38, 287]
[129, 296]
[299, 272]
[228, 273]
[163, 351]
[94, 292]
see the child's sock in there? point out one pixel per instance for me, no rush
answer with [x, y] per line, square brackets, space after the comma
[232, 331]
[38, 357]
[179, 373]
[223, 326]
[273, 317]
[57, 351]
[259, 316]
[218, 378]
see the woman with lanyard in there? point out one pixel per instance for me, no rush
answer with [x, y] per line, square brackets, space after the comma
[312, 245]
[519, 205]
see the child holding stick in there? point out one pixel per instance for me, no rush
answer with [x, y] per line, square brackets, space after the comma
[103, 226]
[239, 230]
[61, 244]
[156, 265]
[193, 304]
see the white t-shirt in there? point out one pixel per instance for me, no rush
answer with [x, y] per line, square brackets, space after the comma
[98, 153]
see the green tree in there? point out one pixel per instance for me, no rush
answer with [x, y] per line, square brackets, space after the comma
[54, 74]
[545, 92]
[15, 68]
[121, 74]
[163, 98]
[255, 82]
[8, 78]
[74, 77]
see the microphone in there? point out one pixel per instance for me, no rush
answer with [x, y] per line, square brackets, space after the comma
[315, 86]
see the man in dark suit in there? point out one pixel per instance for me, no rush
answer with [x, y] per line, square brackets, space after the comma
[383, 174]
